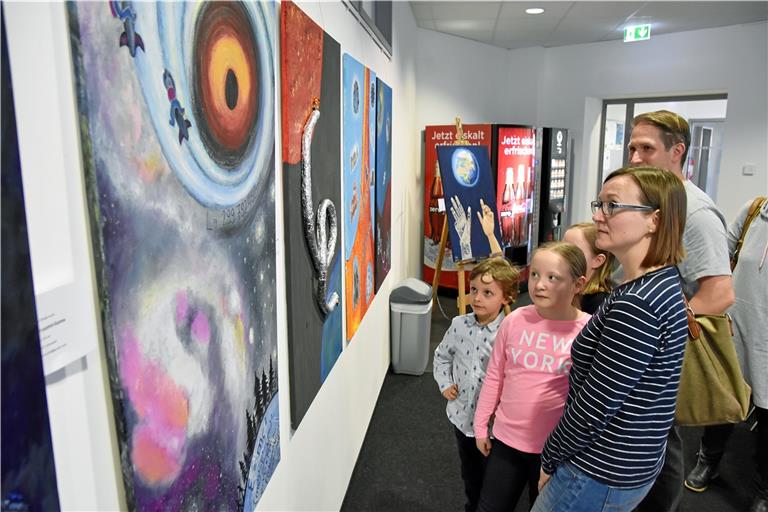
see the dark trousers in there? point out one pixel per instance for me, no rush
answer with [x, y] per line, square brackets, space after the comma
[715, 438]
[667, 492]
[506, 475]
[472, 468]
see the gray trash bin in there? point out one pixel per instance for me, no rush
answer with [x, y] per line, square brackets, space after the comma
[410, 305]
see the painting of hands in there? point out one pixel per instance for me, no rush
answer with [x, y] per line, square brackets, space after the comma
[467, 181]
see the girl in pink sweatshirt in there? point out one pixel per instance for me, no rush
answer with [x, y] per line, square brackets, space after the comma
[526, 383]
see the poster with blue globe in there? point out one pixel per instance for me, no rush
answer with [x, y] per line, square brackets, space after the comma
[468, 185]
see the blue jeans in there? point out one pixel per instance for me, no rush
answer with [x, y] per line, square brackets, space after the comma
[571, 490]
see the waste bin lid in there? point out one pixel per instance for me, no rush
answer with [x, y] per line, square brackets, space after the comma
[411, 291]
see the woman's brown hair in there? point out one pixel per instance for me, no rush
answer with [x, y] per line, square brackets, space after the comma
[664, 191]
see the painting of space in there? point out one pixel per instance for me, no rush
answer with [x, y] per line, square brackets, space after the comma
[311, 97]
[359, 165]
[383, 181]
[26, 457]
[176, 112]
[467, 180]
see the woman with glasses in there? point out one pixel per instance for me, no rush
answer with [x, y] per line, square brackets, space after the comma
[608, 447]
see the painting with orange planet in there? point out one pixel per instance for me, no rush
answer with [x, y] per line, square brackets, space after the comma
[176, 113]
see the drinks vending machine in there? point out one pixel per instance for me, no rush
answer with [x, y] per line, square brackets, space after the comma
[514, 159]
[552, 194]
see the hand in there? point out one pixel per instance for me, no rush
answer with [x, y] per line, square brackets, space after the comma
[488, 224]
[543, 479]
[451, 392]
[462, 221]
[486, 219]
[484, 445]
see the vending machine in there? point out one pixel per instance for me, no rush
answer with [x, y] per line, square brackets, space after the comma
[552, 193]
[514, 159]
[434, 202]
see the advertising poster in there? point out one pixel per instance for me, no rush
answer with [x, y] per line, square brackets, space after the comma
[515, 156]
[434, 200]
[467, 183]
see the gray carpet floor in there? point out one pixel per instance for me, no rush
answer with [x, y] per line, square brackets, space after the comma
[409, 460]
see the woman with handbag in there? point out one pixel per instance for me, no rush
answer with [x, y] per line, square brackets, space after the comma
[608, 447]
[748, 246]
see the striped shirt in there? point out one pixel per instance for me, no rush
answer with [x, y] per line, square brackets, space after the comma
[623, 384]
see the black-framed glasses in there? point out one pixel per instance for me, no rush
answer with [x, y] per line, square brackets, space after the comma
[608, 207]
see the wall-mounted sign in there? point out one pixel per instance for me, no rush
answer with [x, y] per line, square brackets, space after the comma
[637, 33]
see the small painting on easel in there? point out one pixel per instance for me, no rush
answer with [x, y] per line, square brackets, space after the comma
[468, 188]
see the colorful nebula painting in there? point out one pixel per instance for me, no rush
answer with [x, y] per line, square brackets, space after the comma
[383, 181]
[467, 178]
[311, 97]
[28, 471]
[358, 163]
[176, 103]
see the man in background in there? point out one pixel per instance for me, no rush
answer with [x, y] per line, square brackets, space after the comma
[662, 139]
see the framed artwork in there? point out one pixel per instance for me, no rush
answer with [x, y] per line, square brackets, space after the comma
[383, 222]
[311, 128]
[28, 470]
[358, 164]
[176, 112]
[434, 198]
[467, 180]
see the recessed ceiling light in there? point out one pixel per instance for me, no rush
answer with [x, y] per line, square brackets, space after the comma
[534, 10]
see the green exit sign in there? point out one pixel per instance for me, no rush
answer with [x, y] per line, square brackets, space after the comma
[637, 33]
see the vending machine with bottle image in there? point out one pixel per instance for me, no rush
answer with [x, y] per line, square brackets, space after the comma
[553, 184]
[514, 161]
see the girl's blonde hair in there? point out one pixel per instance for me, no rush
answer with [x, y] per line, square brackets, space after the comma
[601, 278]
[573, 256]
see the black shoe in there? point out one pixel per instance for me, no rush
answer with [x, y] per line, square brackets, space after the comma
[760, 504]
[699, 478]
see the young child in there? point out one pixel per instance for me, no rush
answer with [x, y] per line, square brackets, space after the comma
[599, 266]
[461, 358]
[527, 377]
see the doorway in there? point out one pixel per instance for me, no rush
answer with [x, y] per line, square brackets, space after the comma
[706, 116]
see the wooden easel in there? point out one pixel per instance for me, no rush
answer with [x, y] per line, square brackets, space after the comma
[460, 140]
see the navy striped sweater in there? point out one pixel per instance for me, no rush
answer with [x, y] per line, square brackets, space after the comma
[623, 384]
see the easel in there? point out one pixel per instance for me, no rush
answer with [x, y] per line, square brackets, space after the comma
[460, 140]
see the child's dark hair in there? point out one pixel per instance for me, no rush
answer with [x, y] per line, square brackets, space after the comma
[503, 272]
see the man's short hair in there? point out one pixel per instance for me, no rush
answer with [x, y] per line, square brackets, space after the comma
[674, 129]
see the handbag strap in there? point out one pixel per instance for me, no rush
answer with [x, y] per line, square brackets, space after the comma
[751, 214]
[694, 329]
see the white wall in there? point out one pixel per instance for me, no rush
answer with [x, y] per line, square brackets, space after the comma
[728, 59]
[565, 86]
[318, 459]
[459, 77]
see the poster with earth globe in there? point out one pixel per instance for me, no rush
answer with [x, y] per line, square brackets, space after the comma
[466, 174]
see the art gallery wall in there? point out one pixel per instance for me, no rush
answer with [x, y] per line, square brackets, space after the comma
[317, 459]
[564, 87]
[318, 462]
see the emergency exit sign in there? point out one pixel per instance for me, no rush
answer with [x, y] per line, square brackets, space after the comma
[637, 33]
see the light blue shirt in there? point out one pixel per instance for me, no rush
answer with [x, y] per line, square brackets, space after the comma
[461, 359]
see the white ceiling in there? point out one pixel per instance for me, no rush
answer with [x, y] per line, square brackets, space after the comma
[505, 24]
